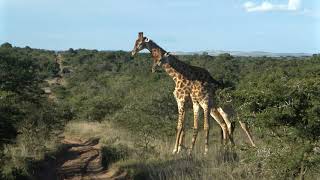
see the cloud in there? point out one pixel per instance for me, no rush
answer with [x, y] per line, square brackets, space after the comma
[292, 5]
[309, 13]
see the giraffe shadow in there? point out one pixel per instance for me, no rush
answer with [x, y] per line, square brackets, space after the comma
[50, 168]
[166, 169]
[226, 154]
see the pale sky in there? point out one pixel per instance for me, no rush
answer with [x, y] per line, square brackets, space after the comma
[289, 26]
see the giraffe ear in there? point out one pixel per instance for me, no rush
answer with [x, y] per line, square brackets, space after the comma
[147, 40]
[140, 35]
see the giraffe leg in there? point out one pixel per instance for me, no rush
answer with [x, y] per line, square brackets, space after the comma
[216, 115]
[221, 135]
[225, 117]
[206, 126]
[179, 125]
[246, 130]
[181, 141]
[206, 130]
[196, 108]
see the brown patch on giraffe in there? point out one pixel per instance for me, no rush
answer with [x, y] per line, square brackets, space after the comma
[184, 81]
[166, 66]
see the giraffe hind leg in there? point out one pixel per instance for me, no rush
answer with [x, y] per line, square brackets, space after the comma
[216, 116]
[229, 124]
[246, 130]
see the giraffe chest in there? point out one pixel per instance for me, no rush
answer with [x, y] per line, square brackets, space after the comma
[183, 88]
[200, 91]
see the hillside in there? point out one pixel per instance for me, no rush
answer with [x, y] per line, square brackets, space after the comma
[244, 53]
[109, 96]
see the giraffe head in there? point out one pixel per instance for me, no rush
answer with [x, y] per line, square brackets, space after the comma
[158, 58]
[140, 44]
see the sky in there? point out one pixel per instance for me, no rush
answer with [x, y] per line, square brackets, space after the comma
[279, 26]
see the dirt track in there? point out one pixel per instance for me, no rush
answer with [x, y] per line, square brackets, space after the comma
[78, 160]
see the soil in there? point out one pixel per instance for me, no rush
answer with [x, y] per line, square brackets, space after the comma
[78, 160]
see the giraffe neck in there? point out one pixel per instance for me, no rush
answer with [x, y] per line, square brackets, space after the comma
[150, 45]
[174, 67]
[180, 70]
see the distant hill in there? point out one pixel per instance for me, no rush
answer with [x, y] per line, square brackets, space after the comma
[243, 53]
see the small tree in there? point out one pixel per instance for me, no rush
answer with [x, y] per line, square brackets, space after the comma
[6, 45]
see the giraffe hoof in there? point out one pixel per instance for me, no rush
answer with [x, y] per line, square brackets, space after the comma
[179, 150]
[174, 151]
[253, 145]
[206, 151]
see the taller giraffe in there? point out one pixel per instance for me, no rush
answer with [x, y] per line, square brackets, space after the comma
[145, 43]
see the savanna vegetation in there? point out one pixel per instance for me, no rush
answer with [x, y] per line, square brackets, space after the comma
[133, 111]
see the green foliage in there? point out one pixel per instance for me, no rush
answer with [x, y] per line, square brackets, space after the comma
[278, 97]
[6, 45]
[28, 120]
[285, 102]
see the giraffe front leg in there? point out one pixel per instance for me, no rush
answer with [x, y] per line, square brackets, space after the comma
[196, 108]
[206, 129]
[179, 125]
[180, 145]
[206, 106]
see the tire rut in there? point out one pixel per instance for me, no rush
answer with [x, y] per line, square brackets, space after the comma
[79, 160]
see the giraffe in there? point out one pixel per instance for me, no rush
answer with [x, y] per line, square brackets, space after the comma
[145, 43]
[195, 83]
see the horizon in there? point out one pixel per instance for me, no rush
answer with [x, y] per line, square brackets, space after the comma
[210, 52]
[276, 26]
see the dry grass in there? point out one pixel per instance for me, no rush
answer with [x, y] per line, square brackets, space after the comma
[220, 163]
[27, 148]
[239, 162]
[106, 131]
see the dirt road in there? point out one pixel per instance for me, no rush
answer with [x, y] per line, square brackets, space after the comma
[78, 160]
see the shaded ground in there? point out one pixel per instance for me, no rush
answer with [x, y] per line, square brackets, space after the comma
[77, 160]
